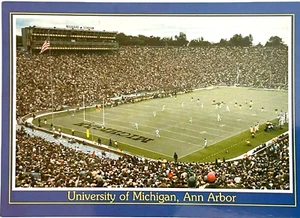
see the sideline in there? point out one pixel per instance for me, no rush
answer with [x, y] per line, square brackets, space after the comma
[254, 150]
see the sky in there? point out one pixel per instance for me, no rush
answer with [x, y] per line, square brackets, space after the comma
[211, 28]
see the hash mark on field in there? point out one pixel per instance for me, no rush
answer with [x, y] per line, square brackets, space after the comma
[222, 125]
[202, 132]
[239, 119]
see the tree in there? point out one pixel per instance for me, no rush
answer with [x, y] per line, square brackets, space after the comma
[168, 41]
[144, 39]
[247, 41]
[181, 39]
[275, 41]
[223, 42]
[239, 40]
[199, 42]
[259, 45]
[134, 40]
[122, 39]
[155, 41]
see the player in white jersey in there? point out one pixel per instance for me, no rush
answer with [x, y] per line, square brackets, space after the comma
[191, 120]
[182, 104]
[251, 129]
[136, 125]
[281, 113]
[227, 108]
[205, 142]
[163, 108]
[202, 106]
[219, 117]
[157, 133]
[154, 113]
[281, 121]
[256, 127]
[286, 117]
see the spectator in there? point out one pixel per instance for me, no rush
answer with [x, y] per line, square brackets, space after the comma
[159, 72]
[163, 70]
[40, 163]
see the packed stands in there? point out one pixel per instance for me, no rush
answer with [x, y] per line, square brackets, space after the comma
[40, 163]
[98, 76]
[136, 69]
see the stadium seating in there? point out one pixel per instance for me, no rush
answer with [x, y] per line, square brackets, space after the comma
[41, 163]
[47, 162]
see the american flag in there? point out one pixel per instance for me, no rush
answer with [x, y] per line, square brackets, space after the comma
[45, 46]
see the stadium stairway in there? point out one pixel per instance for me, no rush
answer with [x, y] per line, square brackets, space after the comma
[64, 141]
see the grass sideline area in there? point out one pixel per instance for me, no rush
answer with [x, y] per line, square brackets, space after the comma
[183, 123]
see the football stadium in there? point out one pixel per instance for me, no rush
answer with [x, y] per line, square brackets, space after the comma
[95, 110]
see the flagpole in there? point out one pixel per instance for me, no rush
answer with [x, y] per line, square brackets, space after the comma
[103, 113]
[52, 95]
[83, 105]
[51, 82]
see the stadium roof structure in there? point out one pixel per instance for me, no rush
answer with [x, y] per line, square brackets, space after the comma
[81, 29]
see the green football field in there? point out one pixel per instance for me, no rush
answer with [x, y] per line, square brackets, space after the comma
[184, 123]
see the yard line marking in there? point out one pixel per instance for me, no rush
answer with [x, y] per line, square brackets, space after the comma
[149, 133]
[216, 143]
[129, 144]
[194, 124]
[214, 154]
[177, 105]
[164, 129]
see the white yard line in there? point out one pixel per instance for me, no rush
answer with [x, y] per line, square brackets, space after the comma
[194, 123]
[129, 145]
[163, 129]
[131, 112]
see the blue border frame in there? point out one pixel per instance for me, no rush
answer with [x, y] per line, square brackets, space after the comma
[131, 210]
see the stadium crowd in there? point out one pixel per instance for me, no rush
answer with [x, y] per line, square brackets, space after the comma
[137, 69]
[40, 163]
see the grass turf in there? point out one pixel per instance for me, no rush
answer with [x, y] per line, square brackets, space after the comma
[226, 138]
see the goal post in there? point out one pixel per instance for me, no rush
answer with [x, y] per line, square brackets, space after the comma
[93, 118]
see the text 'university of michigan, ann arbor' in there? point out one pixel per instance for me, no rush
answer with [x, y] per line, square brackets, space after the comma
[150, 197]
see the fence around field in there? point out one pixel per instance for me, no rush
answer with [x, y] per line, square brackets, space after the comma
[51, 135]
